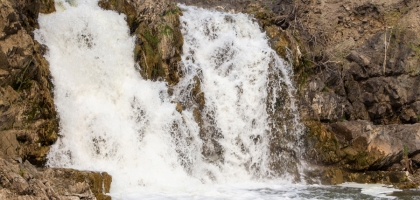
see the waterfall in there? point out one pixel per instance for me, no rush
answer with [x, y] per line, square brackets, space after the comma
[239, 122]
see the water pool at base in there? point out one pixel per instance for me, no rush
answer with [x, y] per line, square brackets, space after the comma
[255, 191]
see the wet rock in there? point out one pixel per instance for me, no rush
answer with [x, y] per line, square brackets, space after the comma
[344, 73]
[399, 179]
[156, 26]
[47, 6]
[324, 146]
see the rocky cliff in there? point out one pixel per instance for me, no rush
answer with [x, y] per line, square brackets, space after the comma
[28, 120]
[28, 124]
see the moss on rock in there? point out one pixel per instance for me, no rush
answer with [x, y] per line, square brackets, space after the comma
[325, 148]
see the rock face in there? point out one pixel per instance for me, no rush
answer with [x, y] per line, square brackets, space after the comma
[24, 181]
[28, 123]
[363, 65]
[361, 145]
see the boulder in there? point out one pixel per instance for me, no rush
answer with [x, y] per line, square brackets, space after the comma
[375, 147]
[25, 181]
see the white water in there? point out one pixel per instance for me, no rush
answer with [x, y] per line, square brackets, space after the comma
[113, 120]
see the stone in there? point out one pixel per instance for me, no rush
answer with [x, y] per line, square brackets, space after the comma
[359, 111]
[416, 107]
[358, 72]
[353, 90]
[416, 159]
[409, 116]
[360, 59]
[377, 146]
[25, 181]
[329, 106]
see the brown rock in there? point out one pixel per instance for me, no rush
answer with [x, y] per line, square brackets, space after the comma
[408, 116]
[24, 181]
[374, 147]
[27, 115]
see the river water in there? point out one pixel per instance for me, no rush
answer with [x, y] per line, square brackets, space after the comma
[112, 119]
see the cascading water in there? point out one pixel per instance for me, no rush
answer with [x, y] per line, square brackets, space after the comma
[249, 108]
[111, 119]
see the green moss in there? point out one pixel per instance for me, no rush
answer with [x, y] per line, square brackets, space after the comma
[22, 172]
[391, 18]
[416, 49]
[325, 148]
[151, 39]
[175, 11]
[167, 30]
[303, 70]
[32, 114]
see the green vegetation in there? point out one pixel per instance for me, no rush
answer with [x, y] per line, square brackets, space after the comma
[326, 89]
[174, 11]
[22, 81]
[151, 39]
[405, 151]
[22, 172]
[167, 30]
[416, 49]
[302, 71]
[391, 18]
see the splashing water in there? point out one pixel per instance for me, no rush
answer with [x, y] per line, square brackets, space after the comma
[239, 129]
[242, 79]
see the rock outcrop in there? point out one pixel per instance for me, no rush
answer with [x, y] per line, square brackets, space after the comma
[155, 24]
[24, 181]
[28, 122]
[362, 65]
[362, 146]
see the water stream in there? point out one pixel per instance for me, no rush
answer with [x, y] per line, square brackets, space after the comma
[111, 119]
